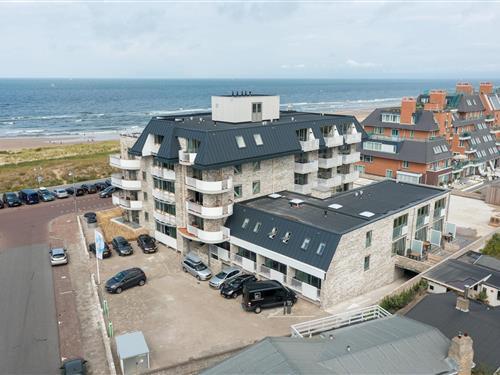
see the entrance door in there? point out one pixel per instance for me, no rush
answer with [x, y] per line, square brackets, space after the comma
[256, 112]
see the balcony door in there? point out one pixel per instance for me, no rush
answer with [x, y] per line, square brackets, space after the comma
[256, 112]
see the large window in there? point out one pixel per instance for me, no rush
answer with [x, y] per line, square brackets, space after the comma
[247, 254]
[399, 246]
[302, 134]
[308, 279]
[158, 163]
[421, 234]
[256, 187]
[165, 208]
[158, 139]
[164, 185]
[366, 264]
[277, 266]
[166, 229]
[368, 238]
[300, 179]
[192, 145]
[238, 191]
[327, 131]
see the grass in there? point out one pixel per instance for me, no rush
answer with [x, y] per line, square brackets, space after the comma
[492, 247]
[88, 161]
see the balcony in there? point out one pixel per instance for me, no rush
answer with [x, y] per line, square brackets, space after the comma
[310, 145]
[489, 118]
[209, 187]
[209, 212]
[305, 289]
[351, 158]
[495, 130]
[334, 141]
[155, 148]
[350, 177]
[271, 274]
[120, 182]
[302, 189]
[464, 136]
[164, 195]
[304, 168]
[244, 263]
[352, 138]
[197, 234]
[440, 212]
[332, 162]
[164, 173]
[164, 217]
[126, 203]
[422, 220]
[399, 231]
[330, 182]
[186, 158]
[128, 164]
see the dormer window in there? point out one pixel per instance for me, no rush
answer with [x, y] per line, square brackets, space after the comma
[257, 227]
[305, 243]
[273, 233]
[327, 131]
[302, 134]
[321, 248]
[286, 237]
[240, 141]
[245, 223]
[158, 139]
[258, 139]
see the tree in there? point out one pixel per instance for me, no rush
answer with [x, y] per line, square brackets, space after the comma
[492, 247]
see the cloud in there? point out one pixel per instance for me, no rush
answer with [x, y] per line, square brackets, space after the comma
[355, 64]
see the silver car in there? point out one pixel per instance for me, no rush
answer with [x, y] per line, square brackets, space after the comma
[226, 274]
[58, 256]
[61, 193]
[193, 264]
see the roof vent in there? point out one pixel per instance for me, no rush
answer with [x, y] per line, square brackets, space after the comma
[296, 202]
[264, 122]
[274, 196]
[178, 119]
[293, 118]
[366, 214]
[335, 206]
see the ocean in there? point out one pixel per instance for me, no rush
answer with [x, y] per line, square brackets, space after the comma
[66, 107]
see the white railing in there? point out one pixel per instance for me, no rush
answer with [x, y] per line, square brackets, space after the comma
[164, 195]
[209, 187]
[166, 174]
[399, 231]
[164, 217]
[186, 158]
[209, 237]
[351, 158]
[310, 145]
[305, 289]
[119, 181]
[330, 182]
[317, 326]
[334, 141]
[302, 189]
[220, 252]
[117, 162]
[331, 162]
[352, 138]
[127, 204]
[167, 240]
[209, 212]
[265, 271]
[309, 167]
[350, 177]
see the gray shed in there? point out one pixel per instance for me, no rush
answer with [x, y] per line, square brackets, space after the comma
[133, 352]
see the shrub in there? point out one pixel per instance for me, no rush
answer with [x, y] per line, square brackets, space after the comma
[398, 301]
[492, 247]
[482, 296]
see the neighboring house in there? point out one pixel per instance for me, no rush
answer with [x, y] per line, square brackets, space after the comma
[181, 177]
[481, 322]
[333, 249]
[392, 345]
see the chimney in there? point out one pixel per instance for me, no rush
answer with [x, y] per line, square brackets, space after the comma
[464, 88]
[438, 99]
[408, 108]
[462, 353]
[462, 304]
[485, 88]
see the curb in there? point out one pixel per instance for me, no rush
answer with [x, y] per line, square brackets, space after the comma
[82, 238]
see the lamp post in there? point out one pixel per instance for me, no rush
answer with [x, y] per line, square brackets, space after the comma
[72, 174]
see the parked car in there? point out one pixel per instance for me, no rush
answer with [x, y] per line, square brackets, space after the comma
[233, 288]
[29, 196]
[89, 188]
[147, 243]
[193, 264]
[11, 199]
[100, 185]
[58, 256]
[1, 204]
[126, 279]
[45, 195]
[107, 192]
[107, 181]
[79, 191]
[226, 274]
[61, 193]
[122, 246]
[260, 295]
[74, 366]
[70, 191]
[105, 254]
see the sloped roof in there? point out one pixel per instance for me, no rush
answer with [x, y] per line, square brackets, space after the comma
[494, 100]
[393, 345]
[424, 120]
[470, 103]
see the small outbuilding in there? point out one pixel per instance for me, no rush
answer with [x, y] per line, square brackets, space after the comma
[133, 352]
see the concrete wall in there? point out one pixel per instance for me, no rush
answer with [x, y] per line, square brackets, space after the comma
[236, 109]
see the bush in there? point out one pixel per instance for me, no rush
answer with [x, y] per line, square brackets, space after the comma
[398, 301]
[482, 296]
[492, 247]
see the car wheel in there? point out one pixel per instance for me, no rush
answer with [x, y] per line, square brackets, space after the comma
[198, 277]
[142, 282]
[234, 295]
[184, 268]
[257, 310]
[118, 290]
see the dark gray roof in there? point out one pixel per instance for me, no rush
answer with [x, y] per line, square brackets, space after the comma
[470, 103]
[309, 221]
[424, 120]
[413, 150]
[393, 345]
[478, 135]
[488, 262]
[218, 146]
[482, 323]
[494, 100]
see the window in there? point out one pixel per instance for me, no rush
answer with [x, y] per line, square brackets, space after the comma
[305, 243]
[146, 216]
[308, 279]
[273, 233]
[498, 295]
[237, 169]
[145, 196]
[245, 223]
[421, 234]
[367, 158]
[240, 141]
[192, 145]
[258, 139]
[165, 208]
[256, 166]
[237, 191]
[378, 130]
[368, 239]
[388, 173]
[326, 131]
[300, 179]
[158, 139]
[406, 164]
[391, 117]
[144, 175]
[366, 265]
[321, 248]
[399, 246]
[302, 134]
[256, 187]
[247, 254]
[395, 132]
[412, 133]
[166, 229]
[431, 287]
[164, 185]
[257, 226]
[286, 237]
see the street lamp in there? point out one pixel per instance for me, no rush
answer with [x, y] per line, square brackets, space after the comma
[72, 174]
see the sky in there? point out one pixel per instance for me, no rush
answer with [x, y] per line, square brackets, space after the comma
[250, 39]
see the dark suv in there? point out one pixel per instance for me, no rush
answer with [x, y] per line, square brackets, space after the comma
[234, 288]
[122, 246]
[89, 188]
[147, 243]
[126, 279]
[11, 199]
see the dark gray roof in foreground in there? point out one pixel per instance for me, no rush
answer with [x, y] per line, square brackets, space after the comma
[488, 262]
[470, 103]
[482, 323]
[424, 120]
[309, 221]
[393, 345]
[218, 146]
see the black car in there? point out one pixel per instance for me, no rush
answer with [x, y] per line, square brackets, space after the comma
[74, 366]
[126, 279]
[79, 191]
[107, 181]
[100, 186]
[70, 191]
[89, 188]
[147, 243]
[11, 199]
[105, 254]
[1, 203]
[234, 288]
[107, 192]
[260, 295]
[122, 246]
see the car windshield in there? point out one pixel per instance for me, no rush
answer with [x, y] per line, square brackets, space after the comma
[221, 275]
[11, 196]
[119, 276]
[200, 267]
[235, 282]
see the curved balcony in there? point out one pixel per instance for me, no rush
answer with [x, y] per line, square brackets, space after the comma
[332, 162]
[330, 182]
[304, 168]
[351, 158]
[310, 145]
[209, 187]
[164, 217]
[164, 173]
[352, 138]
[196, 234]
[209, 212]
[126, 204]
[164, 195]
[186, 158]
[129, 164]
[121, 182]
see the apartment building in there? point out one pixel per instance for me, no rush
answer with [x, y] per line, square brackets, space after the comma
[182, 176]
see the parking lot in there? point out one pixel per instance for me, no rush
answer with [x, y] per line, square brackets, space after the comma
[183, 318]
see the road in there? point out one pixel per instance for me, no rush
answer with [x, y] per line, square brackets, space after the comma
[29, 341]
